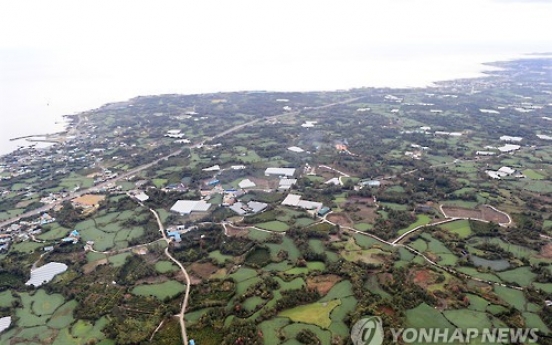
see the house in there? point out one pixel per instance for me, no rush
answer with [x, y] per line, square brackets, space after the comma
[295, 201]
[485, 153]
[511, 139]
[509, 148]
[251, 207]
[544, 137]
[280, 172]
[295, 149]
[213, 168]
[175, 235]
[247, 183]
[503, 172]
[286, 183]
[141, 197]
[324, 211]
[370, 183]
[185, 207]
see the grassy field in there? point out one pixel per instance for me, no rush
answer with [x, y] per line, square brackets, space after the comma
[421, 219]
[165, 267]
[532, 174]
[44, 304]
[474, 273]
[119, 259]
[52, 232]
[219, 257]
[315, 313]
[63, 317]
[6, 299]
[511, 296]
[424, 316]
[274, 225]
[465, 318]
[270, 329]
[339, 290]
[252, 303]
[460, 227]
[362, 226]
[521, 275]
[161, 291]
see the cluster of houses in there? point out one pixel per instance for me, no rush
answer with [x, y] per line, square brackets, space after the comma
[23, 231]
[504, 172]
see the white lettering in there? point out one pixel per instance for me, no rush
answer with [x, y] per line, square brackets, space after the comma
[504, 335]
[396, 334]
[489, 335]
[410, 335]
[425, 335]
[457, 336]
[441, 334]
[471, 333]
[518, 335]
[534, 336]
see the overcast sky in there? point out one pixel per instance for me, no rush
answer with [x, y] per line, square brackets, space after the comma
[239, 44]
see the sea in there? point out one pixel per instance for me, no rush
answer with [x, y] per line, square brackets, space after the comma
[33, 101]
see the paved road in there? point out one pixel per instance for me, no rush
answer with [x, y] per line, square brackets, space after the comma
[187, 295]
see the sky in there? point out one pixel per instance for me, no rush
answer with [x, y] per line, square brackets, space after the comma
[58, 56]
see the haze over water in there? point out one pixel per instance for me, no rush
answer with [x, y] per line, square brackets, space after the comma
[62, 57]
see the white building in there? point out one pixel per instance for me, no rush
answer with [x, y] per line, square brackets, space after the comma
[142, 197]
[295, 149]
[485, 153]
[509, 148]
[295, 201]
[286, 183]
[213, 168]
[511, 139]
[280, 172]
[544, 137]
[247, 183]
[185, 207]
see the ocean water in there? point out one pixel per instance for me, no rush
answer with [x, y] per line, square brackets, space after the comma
[37, 90]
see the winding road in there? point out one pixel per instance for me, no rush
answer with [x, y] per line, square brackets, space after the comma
[186, 276]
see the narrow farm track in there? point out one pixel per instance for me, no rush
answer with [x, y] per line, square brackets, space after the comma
[186, 276]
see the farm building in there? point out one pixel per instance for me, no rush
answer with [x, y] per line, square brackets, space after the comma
[141, 197]
[280, 172]
[175, 235]
[295, 149]
[295, 201]
[247, 183]
[286, 183]
[185, 207]
[213, 168]
[511, 139]
[509, 148]
[370, 183]
[251, 207]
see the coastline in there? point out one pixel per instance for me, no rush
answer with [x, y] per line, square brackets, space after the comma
[473, 70]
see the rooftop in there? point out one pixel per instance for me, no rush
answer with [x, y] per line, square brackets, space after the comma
[280, 171]
[189, 206]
